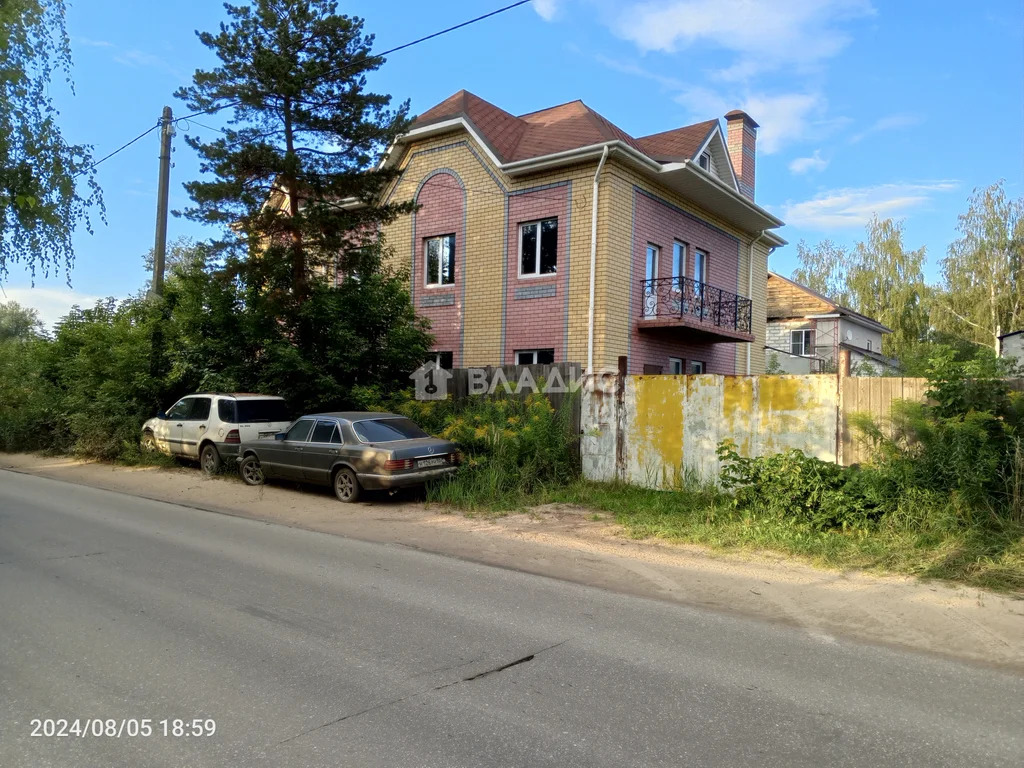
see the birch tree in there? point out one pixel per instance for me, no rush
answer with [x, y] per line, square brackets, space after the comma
[47, 186]
[984, 270]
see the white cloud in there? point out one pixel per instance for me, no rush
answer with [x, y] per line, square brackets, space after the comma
[784, 118]
[888, 123]
[51, 303]
[546, 9]
[853, 207]
[88, 42]
[814, 163]
[631, 68]
[764, 36]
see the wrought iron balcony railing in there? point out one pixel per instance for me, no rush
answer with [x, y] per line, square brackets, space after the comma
[686, 298]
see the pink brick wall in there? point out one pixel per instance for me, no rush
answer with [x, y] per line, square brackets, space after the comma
[536, 323]
[442, 212]
[661, 224]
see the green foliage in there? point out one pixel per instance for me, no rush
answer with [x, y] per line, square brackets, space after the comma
[886, 282]
[798, 487]
[305, 138]
[18, 322]
[109, 368]
[513, 448]
[983, 270]
[41, 201]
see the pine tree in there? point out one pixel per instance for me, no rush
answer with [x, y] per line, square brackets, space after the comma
[297, 175]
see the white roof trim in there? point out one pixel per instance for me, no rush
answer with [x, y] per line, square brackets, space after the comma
[443, 127]
[717, 131]
[585, 153]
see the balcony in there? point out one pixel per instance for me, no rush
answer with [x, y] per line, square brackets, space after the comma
[711, 314]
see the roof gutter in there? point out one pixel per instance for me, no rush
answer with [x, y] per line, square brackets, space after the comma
[750, 289]
[593, 261]
[581, 154]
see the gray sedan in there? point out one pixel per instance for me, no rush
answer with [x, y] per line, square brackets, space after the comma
[351, 452]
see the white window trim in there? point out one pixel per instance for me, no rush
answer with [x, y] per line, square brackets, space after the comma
[704, 272]
[702, 364]
[711, 163]
[435, 357]
[426, 267]
[684, 248]
[649, 275]
[536, 256]
[803, 342]
[533, 352]
[672, 362]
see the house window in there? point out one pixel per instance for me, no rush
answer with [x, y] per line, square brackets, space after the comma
[444, 360]
[678, 259]
[705, 161]
[697, 366]
[802, 342]
[869, 345]
[535, 356]
[675, 366]
[700, 266]
[439, 258]
[538, 248]
[650, 287]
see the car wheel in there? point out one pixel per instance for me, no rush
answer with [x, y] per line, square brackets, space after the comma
[251, 471]
[209, 459]
[346, 486]
[149, 443]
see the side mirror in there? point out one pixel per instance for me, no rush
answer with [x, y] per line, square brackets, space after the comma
[280, 435]
[162, 415]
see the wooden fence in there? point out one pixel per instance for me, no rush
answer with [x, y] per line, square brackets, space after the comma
[874, 396]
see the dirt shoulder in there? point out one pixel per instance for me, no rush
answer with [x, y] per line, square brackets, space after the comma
[566, 543]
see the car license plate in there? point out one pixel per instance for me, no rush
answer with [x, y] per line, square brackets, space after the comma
[266, 434]
[439, 462]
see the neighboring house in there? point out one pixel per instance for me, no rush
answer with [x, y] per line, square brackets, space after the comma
[556, 236]
[1011, 346]
[806, 332]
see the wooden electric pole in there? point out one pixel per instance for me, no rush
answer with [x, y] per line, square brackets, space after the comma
[160, 246]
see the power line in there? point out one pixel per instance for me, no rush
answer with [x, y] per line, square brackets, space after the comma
[214, 110]
[380, 55]
[121, 148]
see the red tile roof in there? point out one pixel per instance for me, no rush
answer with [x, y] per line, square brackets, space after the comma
[678, 144]
[558, 129]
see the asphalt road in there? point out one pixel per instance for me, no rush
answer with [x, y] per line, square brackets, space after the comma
[313, 650]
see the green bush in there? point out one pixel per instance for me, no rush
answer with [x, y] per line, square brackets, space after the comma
[804, 489]
[88, 389]
[512, 448]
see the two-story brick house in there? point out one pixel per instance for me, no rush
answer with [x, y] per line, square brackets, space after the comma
[556, 236]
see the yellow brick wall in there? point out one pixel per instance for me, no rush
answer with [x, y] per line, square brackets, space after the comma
[614, 254]
[485, 243]
[485, 237]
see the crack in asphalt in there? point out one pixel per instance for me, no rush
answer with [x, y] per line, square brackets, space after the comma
[399, 700]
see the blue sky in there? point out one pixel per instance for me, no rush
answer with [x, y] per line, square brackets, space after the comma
[899, 107]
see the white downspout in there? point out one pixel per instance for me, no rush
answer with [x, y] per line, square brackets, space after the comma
[750, 290]
[593, 262]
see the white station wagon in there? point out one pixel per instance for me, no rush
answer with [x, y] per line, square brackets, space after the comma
[210, 426]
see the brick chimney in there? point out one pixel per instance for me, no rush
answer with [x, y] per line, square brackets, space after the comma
[741, 138]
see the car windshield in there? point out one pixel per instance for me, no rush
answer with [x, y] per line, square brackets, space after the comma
[251, 411]
[386, 430]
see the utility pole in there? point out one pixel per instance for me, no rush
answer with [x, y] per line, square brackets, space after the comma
[160, 247]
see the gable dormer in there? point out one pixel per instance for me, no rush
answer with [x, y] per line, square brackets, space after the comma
[702, 144]
[713, 157]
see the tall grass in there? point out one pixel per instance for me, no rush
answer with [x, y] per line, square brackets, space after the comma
[514, 449]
